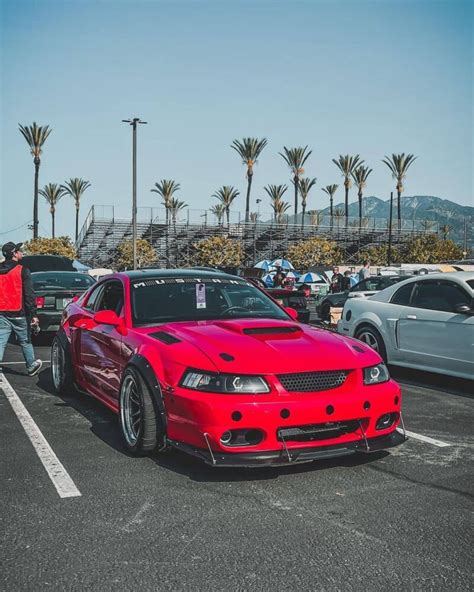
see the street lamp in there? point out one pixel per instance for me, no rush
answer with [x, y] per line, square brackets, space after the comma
[133, 122]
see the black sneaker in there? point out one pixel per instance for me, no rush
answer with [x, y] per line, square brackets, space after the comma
[35, 368]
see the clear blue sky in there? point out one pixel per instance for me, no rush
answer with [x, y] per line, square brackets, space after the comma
[368, 77]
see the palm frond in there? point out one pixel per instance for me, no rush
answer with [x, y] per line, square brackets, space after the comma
[249, 150]
[75, 188]
[166, 188]
[35, 136]
[52, 192]
[295, 158]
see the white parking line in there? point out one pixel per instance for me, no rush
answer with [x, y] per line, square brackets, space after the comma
[10, 363]
[427, 439]
[65, 486]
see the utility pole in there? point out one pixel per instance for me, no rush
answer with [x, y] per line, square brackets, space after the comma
[133, 122]
[389, 250]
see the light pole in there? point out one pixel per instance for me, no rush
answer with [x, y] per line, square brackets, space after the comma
[133, 122]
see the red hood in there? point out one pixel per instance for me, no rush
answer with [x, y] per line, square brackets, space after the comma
[268, 346]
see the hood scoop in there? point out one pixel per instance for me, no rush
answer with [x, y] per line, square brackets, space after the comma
[272, 330]
[165, 337]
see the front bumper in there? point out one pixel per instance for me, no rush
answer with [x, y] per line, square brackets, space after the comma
[291, 455]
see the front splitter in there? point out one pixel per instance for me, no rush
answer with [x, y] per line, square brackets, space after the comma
[291, 455]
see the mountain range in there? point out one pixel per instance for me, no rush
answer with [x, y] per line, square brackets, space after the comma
[420, 207]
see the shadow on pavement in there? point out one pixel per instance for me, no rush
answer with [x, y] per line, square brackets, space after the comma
[436, 382]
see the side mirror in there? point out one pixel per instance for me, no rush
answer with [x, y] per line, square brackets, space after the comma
[463, 309]
[292, 312]
[107, 317]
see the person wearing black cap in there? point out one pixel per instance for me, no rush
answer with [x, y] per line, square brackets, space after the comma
[17, 305]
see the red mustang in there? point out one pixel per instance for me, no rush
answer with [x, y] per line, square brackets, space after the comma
[207, 363]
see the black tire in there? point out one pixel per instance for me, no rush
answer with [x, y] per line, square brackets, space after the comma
[371, 337]
[61, 368]
[137, 405]
[325, 311]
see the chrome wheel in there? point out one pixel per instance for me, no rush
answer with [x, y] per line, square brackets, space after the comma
[131, 410]
[370, 339]
[57, 365]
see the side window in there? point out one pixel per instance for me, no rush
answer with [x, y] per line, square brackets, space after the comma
[111, 297]
[360, 287]
[93, 298]
[402, 295]
[441, 295]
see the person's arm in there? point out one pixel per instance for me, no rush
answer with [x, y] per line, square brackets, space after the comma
[29, 300]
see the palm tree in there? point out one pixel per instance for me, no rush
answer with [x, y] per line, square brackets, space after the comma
[276, 192]
[52, 194]
[338, 214]
[445, 229]
[399, 165]
[295, 159]
[218, 210]
[254, 217]
[249, 150]
[330, 190]
[305, 186]
[315, 217]
[347, 164]
[226, 195]
[75, 188]
[360, 176]
[175, 206]
[166, 189]
[36, 136]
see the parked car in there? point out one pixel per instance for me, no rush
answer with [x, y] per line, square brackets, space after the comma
[363, 289]
[426, 322]
[209, 364]
[293, 299]
[54, 290]
[47, 263]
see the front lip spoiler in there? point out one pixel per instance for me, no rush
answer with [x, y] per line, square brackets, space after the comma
[296, 455]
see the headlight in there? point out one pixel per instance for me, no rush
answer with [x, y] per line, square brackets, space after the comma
[376, 374]
[224, 383]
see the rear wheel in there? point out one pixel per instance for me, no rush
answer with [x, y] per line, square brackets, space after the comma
[61, 368]
[371, 337]
[139, 419]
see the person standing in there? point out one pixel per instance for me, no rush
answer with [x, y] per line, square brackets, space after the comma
[17, 305]
[364, 272]
[278, 278]
[346, 281]
[337, 281]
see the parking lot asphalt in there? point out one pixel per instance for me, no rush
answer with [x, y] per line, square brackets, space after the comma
[397, 520]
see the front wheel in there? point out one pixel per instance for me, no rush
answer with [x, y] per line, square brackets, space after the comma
[139, 423]
[371, 337]
[61, 368]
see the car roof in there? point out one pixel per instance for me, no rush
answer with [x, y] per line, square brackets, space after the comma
[194, 273]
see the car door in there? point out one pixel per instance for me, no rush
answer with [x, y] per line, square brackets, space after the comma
[431, 333]
[101, 345]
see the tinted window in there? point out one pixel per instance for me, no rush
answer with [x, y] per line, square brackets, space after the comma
[111, 298]
[441, 295]
[61, 280]
[187, 299]
[402, 296]
[360, 287]
[470, 283]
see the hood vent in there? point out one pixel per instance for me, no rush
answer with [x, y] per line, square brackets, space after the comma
[271, 330]
[165, 337]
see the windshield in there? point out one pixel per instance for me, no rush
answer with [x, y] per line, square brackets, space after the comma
[61, 280]
[188, 299]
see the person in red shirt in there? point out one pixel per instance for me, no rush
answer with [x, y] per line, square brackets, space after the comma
[17, 305]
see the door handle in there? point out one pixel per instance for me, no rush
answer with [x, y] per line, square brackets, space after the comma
[411, 317]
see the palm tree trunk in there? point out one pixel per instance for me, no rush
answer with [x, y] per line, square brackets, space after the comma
[399, 209]
[346, 187]
[52, 223]
[37, 162]
[331, 213]
[247, 201]
[77, 222]
[227, 213]
[360, 210]
[303, 213]
[295, 181]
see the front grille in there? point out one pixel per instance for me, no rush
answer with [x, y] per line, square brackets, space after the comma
[308, 382]
[321, 431]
